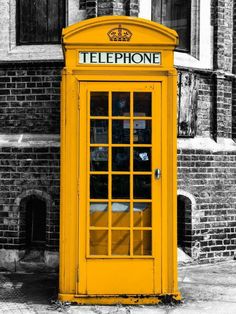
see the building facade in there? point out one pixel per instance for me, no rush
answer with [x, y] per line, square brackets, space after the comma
[31, 60]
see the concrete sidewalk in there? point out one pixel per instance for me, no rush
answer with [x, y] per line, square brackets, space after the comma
[205, 289]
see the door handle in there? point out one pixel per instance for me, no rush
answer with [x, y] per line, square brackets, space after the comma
[157, 174]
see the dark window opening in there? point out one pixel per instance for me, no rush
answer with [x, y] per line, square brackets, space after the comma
[175, 14]
[187, 104]
[184, 223]
[35, 223]
[82, 4]
[39, 21]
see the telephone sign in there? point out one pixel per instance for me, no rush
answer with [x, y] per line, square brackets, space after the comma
[86, 57]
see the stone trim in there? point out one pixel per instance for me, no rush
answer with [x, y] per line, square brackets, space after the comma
[34, 192]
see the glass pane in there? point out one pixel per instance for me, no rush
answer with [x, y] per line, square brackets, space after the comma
[120, 242]
[142, 186]
[98, 214]
[99, 159]
[142, 132]
[99, 104]
[120, 186]
[99, 132]
[142, 159]
[143, 104]
[142, 242]
[120, 215]
[142, 215]
[120, 131]
[98, 242]
[99, 186]
[120, 158]
[120, 104]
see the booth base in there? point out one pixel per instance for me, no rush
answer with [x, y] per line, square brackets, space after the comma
[119, 299]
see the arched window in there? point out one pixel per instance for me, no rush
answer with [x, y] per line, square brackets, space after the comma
[184, 206]
[33, 212]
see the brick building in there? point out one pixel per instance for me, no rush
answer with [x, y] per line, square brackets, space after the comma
[31, 60]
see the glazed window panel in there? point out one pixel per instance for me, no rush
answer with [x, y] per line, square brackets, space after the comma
[142, 104]
[120, 179]
[99, 132]
[120, 159]
[121, 242]
[142, 242]
[99, 104]
[121, 131]
[120, 104]
[99, 186]
[142, 132]
[99, 158]
[142, 159]
[142, 213]
[98, 242]
[120, 214]
[98, 214]
[120, 186]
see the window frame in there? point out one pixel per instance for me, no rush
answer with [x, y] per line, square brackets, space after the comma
[10, 51]
[201, 50]
[18, 28]
[156, 15]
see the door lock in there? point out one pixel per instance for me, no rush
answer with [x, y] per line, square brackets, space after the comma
[158, 174]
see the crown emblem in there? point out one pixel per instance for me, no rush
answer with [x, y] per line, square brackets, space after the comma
[119, 34]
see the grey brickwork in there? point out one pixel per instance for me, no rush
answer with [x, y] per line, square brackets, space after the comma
[29, 97]
[28, 171]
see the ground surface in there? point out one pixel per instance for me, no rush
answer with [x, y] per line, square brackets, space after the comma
[205, 289]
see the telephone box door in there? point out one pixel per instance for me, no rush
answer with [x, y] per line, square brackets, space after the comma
[119, 188]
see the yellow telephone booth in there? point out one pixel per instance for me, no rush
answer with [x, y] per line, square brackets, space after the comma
[118, 163]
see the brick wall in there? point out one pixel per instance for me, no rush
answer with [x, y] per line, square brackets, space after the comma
[234, 71]
[29, 97]
[211, 178]
[25, 169]
[213, 116]
[205, 113]
[29, 103]
[223, 34]
[234, 109]
[112, 7]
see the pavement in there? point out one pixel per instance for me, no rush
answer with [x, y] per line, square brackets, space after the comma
[205, 289]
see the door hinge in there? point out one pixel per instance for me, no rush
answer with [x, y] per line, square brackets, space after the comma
[79, 102]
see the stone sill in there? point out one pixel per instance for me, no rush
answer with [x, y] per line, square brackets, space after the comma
[208, 144]
[41, 140]
[29, 140]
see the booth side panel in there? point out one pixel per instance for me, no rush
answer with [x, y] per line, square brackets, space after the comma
[164, 179]
[69, 202]
[172, 156]
[62, 268]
